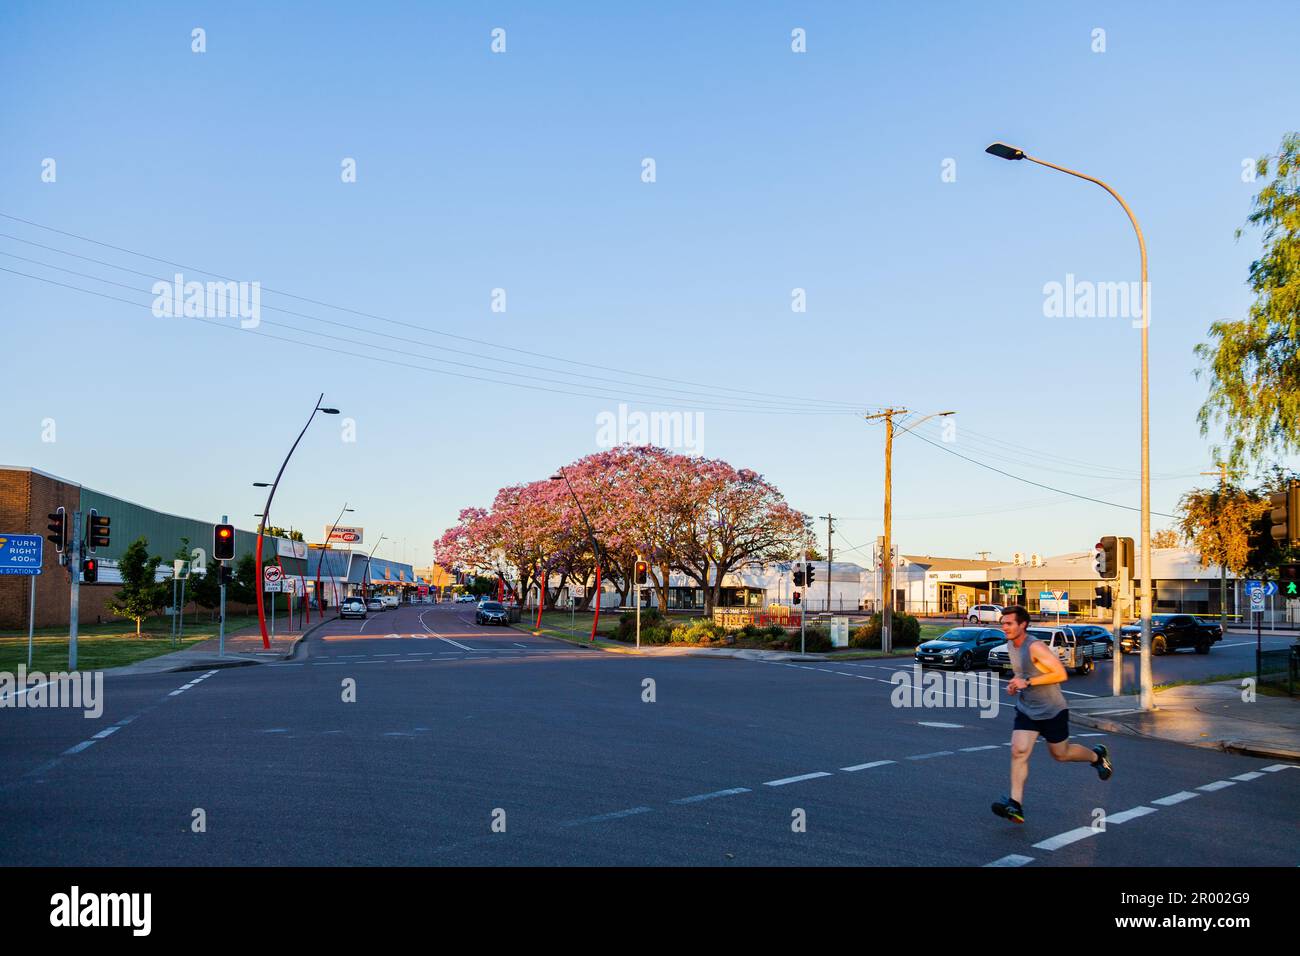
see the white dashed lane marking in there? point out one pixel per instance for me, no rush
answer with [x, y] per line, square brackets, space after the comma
[1126, 815]
[608, 816]
[714, 795]
[1066, 838]
[1216, 785]
[866, 766]
[803, 776]
[1015, 859]
[1174, 798]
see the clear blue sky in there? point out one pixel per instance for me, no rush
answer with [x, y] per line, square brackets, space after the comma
[523, 171]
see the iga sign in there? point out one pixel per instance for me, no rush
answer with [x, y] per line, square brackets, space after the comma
[341, 535]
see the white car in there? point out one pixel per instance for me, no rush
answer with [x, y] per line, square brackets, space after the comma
[985, 614]
[390, 600]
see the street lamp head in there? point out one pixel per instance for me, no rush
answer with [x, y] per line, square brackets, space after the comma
[329, 411]
[1003, 151]
[557, 478]
[261, 484]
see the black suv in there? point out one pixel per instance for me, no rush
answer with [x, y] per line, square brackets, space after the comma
[1170, 632]
[961, 648]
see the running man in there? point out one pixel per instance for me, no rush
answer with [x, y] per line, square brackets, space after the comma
[1040, 709]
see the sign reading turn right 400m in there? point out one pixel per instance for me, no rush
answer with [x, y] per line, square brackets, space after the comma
[20, 553]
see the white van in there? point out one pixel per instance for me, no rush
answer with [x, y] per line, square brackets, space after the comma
[389, 600]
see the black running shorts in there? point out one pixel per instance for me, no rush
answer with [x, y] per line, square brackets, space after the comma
[1054, 729]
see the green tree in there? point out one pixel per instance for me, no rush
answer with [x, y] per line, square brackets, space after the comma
[1253, 364]
[1221, 523]
[141, 593]
[272, 531]
[241, 590]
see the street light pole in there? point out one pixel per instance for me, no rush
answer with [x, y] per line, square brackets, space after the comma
[1146, 693]
[266, 513]
[325, 551]
[595, 546]
[365, 584]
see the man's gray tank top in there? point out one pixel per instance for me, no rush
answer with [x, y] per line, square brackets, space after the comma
[1037, 702]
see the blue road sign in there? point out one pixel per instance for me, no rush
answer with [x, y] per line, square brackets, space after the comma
[21, 553]
[1269, 588]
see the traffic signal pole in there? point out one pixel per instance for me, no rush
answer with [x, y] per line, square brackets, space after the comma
[74, 568]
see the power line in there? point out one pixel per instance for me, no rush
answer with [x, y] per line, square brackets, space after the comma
[1037, 484]
[655, 395]
[845, 406]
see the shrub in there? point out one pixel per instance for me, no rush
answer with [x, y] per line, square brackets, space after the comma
[907, 632]
[655, 634]
[626, 630]
[698, 631]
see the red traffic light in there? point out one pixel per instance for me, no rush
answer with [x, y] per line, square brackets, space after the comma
[223, 542]
[90, 570]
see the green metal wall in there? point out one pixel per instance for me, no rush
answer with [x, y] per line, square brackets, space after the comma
[163, 531]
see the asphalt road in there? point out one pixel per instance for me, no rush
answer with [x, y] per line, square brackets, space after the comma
[455, 727]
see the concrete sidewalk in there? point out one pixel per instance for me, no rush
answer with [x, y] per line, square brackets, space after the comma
[1203, 715]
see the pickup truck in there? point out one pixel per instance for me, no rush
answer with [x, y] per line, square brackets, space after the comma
[1169, 632]
[1076, 656]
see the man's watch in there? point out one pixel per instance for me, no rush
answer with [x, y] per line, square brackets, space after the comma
[1029, 682]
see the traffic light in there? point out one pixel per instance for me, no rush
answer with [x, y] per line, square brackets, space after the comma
[1105, 557]
[1286, 515]
[59, 529]
[641, 572]
[798, 575]
[223, 542]
[1288, 580]
[796, 597]
[90, 570]
[227, 574]
[810, 574]
[97, 535]
[1103, 596]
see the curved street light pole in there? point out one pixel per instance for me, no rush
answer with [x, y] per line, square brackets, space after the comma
[365, 584]
[595, 546]
[325, 551]
[1145, 694]
[266, 514]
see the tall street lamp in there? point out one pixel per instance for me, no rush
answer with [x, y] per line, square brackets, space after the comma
[266, 512]
[595, 546]
[324, 551]
[887, 549]
[1003, 151]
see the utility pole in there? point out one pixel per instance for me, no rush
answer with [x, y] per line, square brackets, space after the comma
[1223, 567]
[887, 549]
[830, 554]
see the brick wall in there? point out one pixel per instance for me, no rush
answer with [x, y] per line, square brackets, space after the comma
[26, 497]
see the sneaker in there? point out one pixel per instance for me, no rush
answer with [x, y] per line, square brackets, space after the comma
[1102, 763]
[1009, 809]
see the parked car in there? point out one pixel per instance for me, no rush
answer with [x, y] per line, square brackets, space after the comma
[1093, 634]
[1171, 632]
[352, 607]
[491, 612]
[374, 604]
[1076, 656]
[390, 600]
[985, 614]
[962, 648]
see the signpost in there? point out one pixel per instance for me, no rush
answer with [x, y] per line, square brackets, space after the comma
[1054, 602]
[23, 554]
[272, 578]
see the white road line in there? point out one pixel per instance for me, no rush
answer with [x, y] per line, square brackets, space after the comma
[1015, 859]
[803, 776]
[1088, 735]
[1173, 798]
[1125, 816]
[938, 723]
[79, 747]
[1274, 768]
[937, 753]
[454, 644]
[387, 655]
[517, 644]
[712, 796]
[107, 732]
[1250, 775]
[1066, 838]
[867, 766]
[971, 750]
[1216, 785]
[608, 816]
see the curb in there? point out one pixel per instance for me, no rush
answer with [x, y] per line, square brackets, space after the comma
[221, 663]
[1246, 748]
